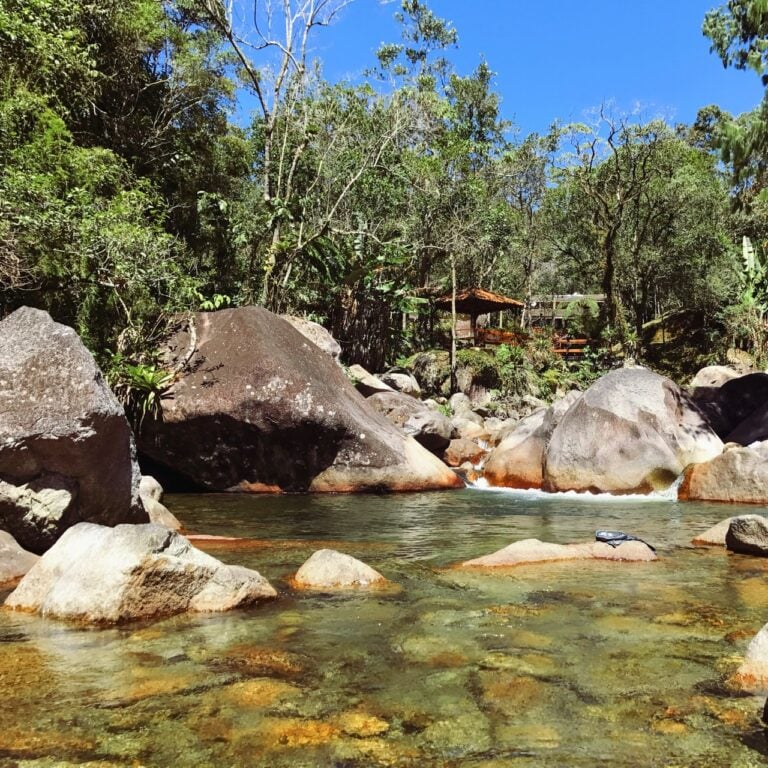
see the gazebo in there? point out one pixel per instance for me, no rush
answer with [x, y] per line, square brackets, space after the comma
[475, 302]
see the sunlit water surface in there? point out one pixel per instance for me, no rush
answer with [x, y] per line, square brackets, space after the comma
[570, 664]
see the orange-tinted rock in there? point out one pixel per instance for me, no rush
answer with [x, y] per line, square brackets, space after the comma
[463, 450]
[737, 475]
[258, 660]
[362, 725]
[752, 674]
[518, 460]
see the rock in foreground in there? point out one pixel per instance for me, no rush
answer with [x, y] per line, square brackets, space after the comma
[95, 574]
[535, 551]
[632, 431]
[66, 450]
[14, 561]
[752, 675]
[748, 535]
[329, 569]
[263, 409]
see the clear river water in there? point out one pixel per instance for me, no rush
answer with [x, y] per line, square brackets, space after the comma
[569, 664]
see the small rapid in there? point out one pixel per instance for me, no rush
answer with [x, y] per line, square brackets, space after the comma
[668, 494]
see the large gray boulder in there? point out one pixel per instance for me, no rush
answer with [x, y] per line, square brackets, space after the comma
[632, 431]
[261, 409]
[14, 560]
[739, 474]
[429, 428]
[96, 575]
[66, 449]
[518, 460]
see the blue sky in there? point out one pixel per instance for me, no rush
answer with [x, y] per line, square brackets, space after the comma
[559, 58]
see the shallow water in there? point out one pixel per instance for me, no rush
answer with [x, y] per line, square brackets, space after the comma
[569, 664]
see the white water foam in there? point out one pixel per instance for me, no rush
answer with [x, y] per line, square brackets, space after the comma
[668, 494]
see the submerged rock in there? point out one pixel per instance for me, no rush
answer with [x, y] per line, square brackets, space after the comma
[262, 409]
[96, 574]
[736, 475]
[535, 551]
[329, 569]
[14, 561]
[632, 431]
[66, 450]
[748, 535]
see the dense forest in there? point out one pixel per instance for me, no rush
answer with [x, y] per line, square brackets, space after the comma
[130, 192]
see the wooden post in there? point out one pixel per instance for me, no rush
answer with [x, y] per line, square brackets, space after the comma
[454, 365]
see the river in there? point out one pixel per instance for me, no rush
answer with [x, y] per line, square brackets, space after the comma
[569, 664]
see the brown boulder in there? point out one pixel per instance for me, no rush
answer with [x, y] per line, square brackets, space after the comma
[738, 475]
[632, 431]
[66, 449]
[462, 450]
[261, 409]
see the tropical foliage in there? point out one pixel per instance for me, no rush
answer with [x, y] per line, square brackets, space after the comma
[131, 189]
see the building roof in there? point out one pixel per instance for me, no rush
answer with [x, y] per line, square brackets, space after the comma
[477, 301]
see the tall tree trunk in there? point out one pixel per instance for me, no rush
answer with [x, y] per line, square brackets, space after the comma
[454, 364]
